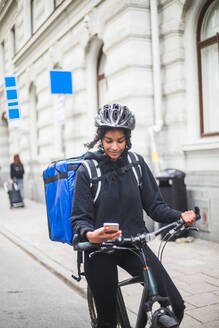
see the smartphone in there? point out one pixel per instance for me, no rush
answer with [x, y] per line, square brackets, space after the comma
[113, 227]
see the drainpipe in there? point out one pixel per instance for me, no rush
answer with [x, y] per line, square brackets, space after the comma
[158, 120]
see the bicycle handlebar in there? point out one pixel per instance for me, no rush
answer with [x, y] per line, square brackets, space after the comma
[134, 240]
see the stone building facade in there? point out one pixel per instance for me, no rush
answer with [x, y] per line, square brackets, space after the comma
[155, 56]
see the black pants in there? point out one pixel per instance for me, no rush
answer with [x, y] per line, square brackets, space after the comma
[102, 277]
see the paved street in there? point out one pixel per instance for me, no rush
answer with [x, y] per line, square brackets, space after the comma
[33, 297]
[194, 266]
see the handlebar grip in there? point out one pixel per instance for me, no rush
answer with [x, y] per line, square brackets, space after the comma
[197, 216]
[86, 246]
[197, 213]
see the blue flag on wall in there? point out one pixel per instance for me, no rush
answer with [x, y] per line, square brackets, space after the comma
[61, 82]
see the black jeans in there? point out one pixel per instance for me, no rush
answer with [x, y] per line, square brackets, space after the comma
[102, 277]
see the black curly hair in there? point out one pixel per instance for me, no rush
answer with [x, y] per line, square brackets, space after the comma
[101, 131]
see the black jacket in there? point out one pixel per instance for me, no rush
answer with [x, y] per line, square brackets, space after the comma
[120, 199]
[16, 171]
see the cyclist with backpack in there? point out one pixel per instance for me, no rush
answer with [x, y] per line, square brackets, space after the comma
[121, 200]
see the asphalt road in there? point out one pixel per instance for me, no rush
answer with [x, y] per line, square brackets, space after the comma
[32, 297]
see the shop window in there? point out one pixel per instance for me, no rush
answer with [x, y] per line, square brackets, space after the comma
[208, 68]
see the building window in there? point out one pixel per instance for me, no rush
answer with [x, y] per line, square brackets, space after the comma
[57, 3]
[2, 59]
[32, 15]
[13, 41]
[101, 79]
[36, 16]
[208, 68]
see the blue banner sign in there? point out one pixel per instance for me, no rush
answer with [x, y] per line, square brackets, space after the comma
[10, 81]
[61, 82]
[13, 113]
[12, 98]
[11, 94]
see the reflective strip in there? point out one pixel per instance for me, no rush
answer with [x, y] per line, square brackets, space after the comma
[139, 166]
[99, 182]
[89, 172]
[133, 169]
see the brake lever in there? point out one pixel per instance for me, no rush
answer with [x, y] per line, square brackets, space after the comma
[192, 228]
[171, 233]
[176, 229]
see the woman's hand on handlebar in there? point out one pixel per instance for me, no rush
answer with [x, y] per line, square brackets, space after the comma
[188, 217]
[102, 234]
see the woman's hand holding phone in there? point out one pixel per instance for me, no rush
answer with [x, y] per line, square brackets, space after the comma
[109, 231]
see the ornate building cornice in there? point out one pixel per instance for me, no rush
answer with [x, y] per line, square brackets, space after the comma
[5, 6]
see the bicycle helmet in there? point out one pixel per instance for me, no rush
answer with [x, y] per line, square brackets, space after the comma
[115, 116]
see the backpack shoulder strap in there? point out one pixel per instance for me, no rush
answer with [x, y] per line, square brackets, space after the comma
[87, 166]
[93, 172]
[136, 167]
[98, 174]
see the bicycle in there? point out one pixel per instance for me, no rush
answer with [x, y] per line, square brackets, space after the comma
[163, 317]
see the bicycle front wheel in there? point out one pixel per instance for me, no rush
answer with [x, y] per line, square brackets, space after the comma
[93, 311]
[167, 322]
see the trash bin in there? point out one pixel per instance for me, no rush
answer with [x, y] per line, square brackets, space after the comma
[173, 189]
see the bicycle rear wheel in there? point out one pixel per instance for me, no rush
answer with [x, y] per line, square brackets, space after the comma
[93, 311]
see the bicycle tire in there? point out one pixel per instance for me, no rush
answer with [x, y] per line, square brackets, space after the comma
[93, 312]
[165, 321]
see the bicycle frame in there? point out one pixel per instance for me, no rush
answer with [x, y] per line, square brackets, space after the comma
[148, 298]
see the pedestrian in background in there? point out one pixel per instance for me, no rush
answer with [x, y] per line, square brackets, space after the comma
[17, 173]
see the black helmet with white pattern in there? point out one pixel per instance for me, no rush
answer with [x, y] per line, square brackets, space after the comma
[115, 116]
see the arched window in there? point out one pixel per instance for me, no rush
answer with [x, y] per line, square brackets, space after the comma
[101, 79]
[208, 68]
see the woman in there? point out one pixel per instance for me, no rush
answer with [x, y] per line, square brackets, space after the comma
[17, 173]
[120, 200]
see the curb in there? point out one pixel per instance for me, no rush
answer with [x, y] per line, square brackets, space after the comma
[54, 267]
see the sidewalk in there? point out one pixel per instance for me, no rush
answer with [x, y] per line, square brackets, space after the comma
[194, 267]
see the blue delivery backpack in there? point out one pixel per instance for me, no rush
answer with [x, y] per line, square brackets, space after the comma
[59, 178]
[59, 188]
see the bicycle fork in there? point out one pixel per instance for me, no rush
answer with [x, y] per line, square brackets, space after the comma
[150, 296]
